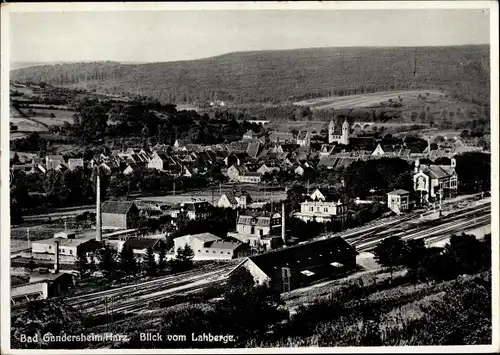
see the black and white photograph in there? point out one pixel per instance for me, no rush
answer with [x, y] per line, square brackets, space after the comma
[303, 176]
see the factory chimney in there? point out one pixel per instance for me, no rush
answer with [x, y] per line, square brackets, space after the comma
[56, 260]
[283, 223]
[98, 209]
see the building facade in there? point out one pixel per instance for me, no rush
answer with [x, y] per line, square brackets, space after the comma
[398, 201]
[342, 138]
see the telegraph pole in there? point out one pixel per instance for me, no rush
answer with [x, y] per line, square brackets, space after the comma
[28, 235]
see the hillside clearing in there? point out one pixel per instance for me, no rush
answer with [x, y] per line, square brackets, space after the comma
[363, 100]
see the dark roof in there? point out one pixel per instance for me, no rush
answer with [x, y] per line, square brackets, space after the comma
[398, 192]
[304, 256]
[117, 207]
[253, 149]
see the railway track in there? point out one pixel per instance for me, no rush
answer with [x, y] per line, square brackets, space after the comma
[139, 296]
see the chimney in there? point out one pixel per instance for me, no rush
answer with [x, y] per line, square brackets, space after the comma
[56, 260]
[283, 223]
[98, 209]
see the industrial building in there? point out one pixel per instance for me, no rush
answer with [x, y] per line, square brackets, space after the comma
[300, 265]
[207, 246]
[118, 214]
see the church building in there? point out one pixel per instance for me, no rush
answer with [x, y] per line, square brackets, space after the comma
[342, 138]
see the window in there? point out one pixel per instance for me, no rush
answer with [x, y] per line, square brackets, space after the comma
[50, 246]
[261, 232]
[199, 251]
[312, 209]
[71, 252]
[325, 209]
[317, 209]
[214, 251]
[222, 252]
[228, 253]
[252, 230]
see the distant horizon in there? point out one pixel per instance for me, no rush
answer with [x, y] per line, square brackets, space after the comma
[172, 36]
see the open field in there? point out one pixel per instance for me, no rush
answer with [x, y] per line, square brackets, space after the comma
[27, 125]
[206, 195]
[363, 100]
[61, 116]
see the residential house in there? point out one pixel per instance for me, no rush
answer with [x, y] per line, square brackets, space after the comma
[119, 214]
[250, 177]
[282, 137]
[234, 172]
[267, 168]
[259, 229]
[304, 139]
[398, 201]
[321, 211]
[159, 161]
[192, 210]
[232, 159]
[52, 162]
[234, 200]
[298, 266]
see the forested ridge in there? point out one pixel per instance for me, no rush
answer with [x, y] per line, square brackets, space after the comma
[277, 76]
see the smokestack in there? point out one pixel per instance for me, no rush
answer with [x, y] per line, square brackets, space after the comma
[98, 210]
[56, 261]
[283, 223]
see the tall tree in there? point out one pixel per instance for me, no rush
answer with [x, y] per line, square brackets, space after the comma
[389, 252]
[82, 263]
[108, 264]
[127, 261]
[151, 266]
[162, 257]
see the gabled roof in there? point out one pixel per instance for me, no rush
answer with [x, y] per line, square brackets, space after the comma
[206, 237]
[302, 135]
[231, 197]
[253, 149]
[223, 245]
[117, 207]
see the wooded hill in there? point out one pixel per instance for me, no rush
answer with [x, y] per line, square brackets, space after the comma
[282, 75]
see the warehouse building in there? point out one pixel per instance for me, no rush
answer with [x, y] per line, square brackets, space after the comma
[300, 265]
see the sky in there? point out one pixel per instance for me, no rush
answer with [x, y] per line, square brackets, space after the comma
[156, 36]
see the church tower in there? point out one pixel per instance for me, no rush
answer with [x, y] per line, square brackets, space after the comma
[345, 133]
[331, 131]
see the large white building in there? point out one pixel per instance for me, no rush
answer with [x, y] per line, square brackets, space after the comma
[342, 138]
[321, 211]
[207, 246]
